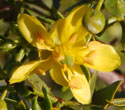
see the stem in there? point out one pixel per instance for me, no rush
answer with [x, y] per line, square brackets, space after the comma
[11, 101]
[3, 94]
[46, 20]
[93, 37]
[22, 8]
[59, 15]
[88, 38]
[99, 5]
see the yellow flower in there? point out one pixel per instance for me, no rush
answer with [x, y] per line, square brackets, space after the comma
[63, 50]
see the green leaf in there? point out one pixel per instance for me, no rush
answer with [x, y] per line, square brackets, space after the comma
[20, 55]
[123, 38]
[117, 102]
[70, 104]
[121, 4]
[35, 104]
[47, 104]
[38, 84]
[107, 93]
[86, 72]
[7, 45]
[113, 7]
[21, 106]
[22, 89]
[92, 82]
[64, 93]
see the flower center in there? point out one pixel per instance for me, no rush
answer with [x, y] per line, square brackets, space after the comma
[63, 55]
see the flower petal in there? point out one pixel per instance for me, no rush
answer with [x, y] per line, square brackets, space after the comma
[23, 72]
[63, 29]
[80, 86]
[57, 74]
[102, 57]
[75, 20]
[33, 31]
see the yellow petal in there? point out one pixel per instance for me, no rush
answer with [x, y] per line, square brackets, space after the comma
[79, 53]
[80, 86]
[23, 72]
[57, 74]
[75, 20]
[56, 31]
[63, 29]
[44, 66]
[102, 57]
[33, 31]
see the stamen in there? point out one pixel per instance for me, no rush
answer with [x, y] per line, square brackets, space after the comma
[89, 61]
[94, 44]
[75, 82]
[39, 37]
[40, 71]
[73, 38]
[92, 54]
[90, 57]
[65, 67]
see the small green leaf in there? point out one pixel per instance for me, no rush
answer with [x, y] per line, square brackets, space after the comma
[3, 105]
[35, 104]
[38, 84]
[113, 7]
[121, 4]
[70, 104]
[86, 72]
[107, 93]
[123, 38]
[64, 94]
[20, 55]
[47, 104]
[7, 45]
[20, 106]
[92, 82]
[117, 102]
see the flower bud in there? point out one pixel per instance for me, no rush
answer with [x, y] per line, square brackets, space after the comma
[94, 21]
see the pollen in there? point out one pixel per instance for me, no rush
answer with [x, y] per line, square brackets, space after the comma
[75, 82]
[39, 37]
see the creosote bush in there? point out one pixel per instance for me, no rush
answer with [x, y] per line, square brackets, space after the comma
[54, 51]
